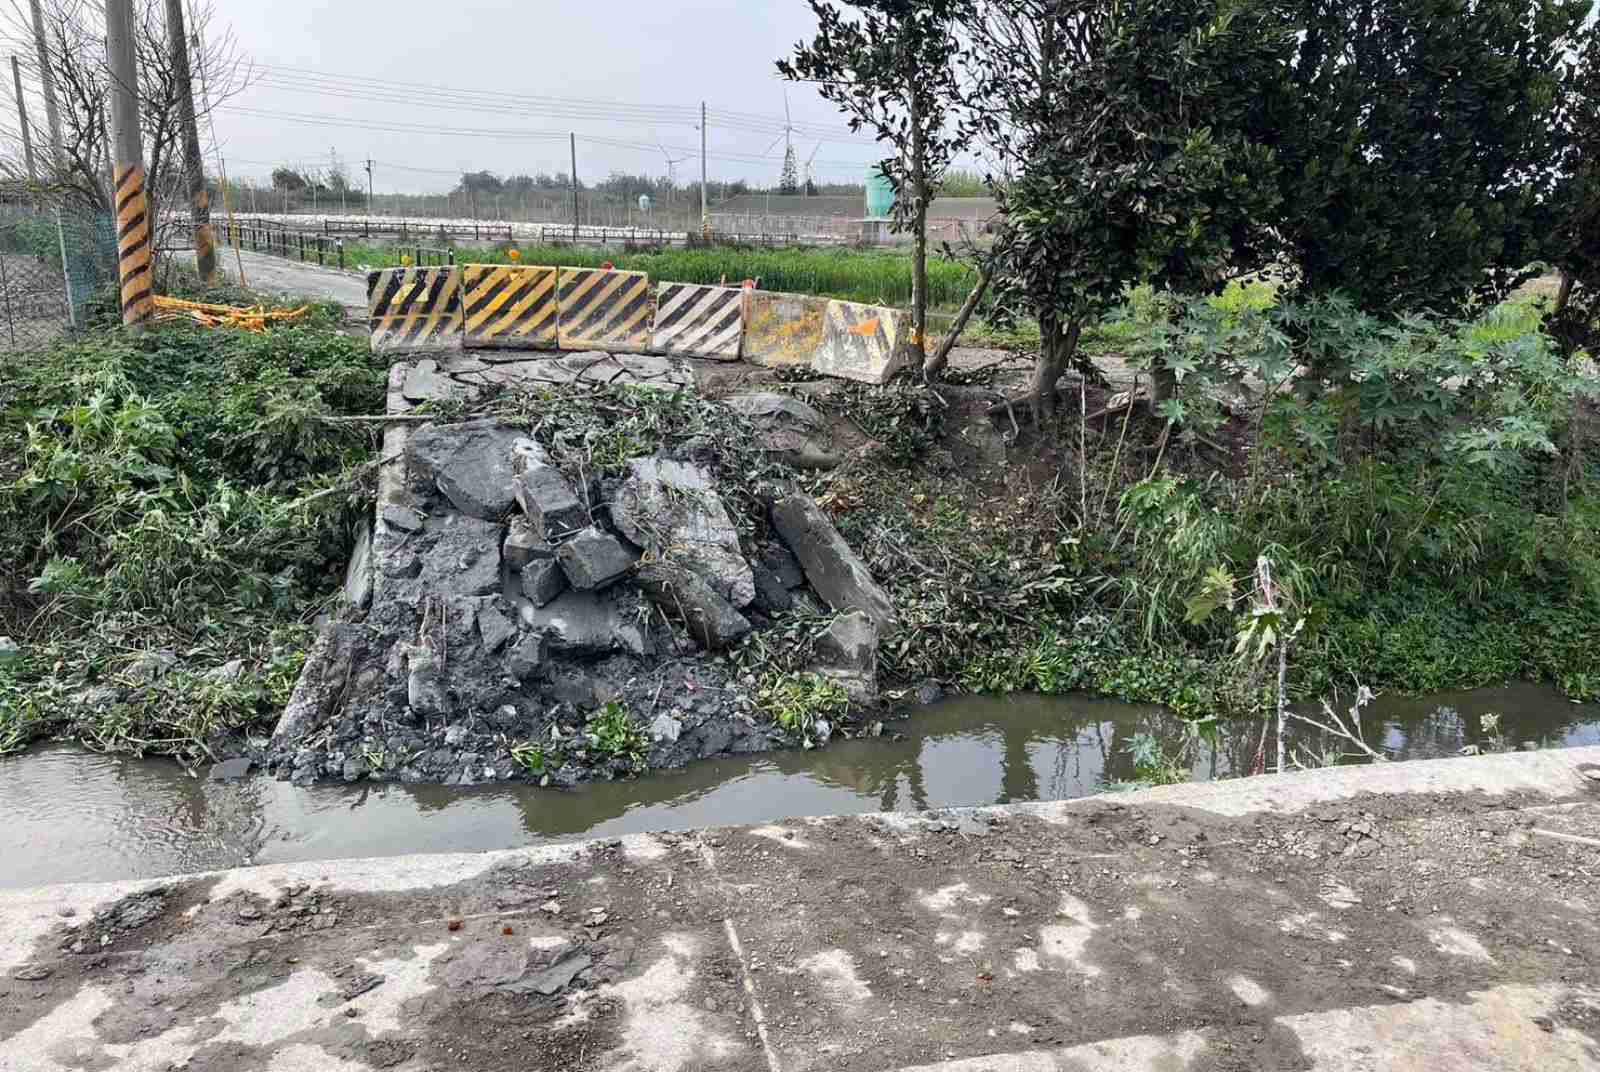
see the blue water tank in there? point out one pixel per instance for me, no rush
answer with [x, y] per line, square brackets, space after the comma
[880, 193]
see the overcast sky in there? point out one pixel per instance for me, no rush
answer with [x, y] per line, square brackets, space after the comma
[330, 78]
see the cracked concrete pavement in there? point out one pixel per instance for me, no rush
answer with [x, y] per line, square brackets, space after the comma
[1440, 915]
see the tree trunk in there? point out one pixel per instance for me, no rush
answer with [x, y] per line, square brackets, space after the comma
[205, 250]
[1564, 295]
[934, 366]
[1057, 349]
[919, 225]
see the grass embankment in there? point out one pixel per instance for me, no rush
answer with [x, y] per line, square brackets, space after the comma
[160, 494]
[852, 275]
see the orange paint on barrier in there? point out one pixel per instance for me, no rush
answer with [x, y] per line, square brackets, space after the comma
[866, 327]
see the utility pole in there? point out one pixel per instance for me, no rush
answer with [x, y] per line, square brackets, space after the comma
[574, 145]
[133, 207]
[205, 247]
[22, 120]
[704, 218]
[369, 187]
[51, 115]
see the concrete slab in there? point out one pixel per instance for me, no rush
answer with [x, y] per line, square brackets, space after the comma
[1399, 917]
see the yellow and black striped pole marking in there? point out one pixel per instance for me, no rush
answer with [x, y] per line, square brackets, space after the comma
[509, 308]
[867, 343]
[414, 308]
[693, 320]
[602, 309]
[133, 246]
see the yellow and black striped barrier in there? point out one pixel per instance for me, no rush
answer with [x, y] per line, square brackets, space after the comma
[604, 309]
[694, 320]
[414, 308]
[508, 308]
[133, 245]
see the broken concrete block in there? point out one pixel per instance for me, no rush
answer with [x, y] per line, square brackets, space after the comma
[683, 594]
[470, 463]
[786, 428]
[848, 653]
[593, 559]
[464, 559]
[833, 569]
[525, 656]
[425, 691]
[577, 623]
[544, 493]
[425, 383]
[673, 508]
[543, 580]
[495, 628]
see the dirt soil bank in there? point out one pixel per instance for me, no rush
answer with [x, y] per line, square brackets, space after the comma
[1326, 927]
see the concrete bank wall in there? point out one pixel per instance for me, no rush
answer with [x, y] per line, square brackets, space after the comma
[1438, 915]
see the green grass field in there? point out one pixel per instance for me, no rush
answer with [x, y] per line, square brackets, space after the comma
[848, 274]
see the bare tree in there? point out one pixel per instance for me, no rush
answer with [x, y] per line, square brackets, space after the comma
[74, 32]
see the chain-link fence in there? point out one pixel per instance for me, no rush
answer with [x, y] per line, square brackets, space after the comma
[51, 263]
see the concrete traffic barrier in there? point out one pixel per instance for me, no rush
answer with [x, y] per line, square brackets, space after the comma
[506, 307]
[604, 309]
[782, 330]
[867, 343]
[693, 320]
[414, 309]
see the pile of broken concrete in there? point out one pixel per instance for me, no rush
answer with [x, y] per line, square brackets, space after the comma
[503, 600]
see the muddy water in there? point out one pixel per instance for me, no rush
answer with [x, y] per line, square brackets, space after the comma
[69, 816]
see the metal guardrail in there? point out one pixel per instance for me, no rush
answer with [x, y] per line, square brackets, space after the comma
[282, 242]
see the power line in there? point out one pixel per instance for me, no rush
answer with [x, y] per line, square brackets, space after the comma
[401, 127]
[308, 80]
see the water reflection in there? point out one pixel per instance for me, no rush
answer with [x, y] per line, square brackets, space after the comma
[79, 817]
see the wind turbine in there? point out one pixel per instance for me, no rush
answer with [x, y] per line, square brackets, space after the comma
[810, 182]
[672, 173]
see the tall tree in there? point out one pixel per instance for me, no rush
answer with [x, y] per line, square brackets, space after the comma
[789, 179]
[1574, 240]
[1416, 139]
[1125, 127]
[889, 66]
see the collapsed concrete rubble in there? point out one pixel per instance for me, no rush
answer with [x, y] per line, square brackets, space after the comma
[515, 617]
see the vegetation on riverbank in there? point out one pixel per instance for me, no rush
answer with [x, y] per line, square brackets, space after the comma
[188, 492]
[182, 492]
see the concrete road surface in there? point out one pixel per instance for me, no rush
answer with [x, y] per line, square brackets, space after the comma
[1440, 916]
[279, 276]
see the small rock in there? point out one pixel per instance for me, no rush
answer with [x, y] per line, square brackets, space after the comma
[10, 651]
[665, 728]
[523, 544]
[32, 973]
[495, 628]
[683, 594]
[229, 769]
[248, 912]
[232, 670]
[401, 518]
